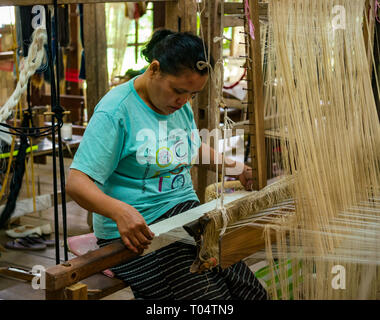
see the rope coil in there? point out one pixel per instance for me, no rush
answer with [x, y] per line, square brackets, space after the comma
[32, 62]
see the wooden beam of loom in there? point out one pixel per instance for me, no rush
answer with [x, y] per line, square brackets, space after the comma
[246, 207]
[256, 100]
[239, 244]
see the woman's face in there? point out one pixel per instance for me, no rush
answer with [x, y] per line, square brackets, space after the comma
[168, 93]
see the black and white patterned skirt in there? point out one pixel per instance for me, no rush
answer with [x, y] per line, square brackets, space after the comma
[165, 273]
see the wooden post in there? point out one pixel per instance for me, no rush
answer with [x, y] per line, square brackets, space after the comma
[256, 102]
[159, 15]
[77, 291]
[73, 54]
[208, 114]
[95, 49]
[181, 16]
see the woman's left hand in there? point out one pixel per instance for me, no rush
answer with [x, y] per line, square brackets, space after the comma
[246, 178]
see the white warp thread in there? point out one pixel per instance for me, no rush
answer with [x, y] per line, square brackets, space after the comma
[228, 125]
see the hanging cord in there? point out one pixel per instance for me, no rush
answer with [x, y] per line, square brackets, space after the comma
[58, 113]
[228, 125]
[223, 210]
[206, 64]
[53, 104]
[216, 76]
[219, 81]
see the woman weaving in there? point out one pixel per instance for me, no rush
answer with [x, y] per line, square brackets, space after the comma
[132, 169]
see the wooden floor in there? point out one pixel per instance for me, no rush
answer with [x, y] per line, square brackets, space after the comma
[76, 225]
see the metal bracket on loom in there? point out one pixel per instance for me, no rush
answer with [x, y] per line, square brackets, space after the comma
[196, 229]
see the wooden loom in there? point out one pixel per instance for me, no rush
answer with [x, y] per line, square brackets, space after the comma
[62, 276]
[233, 246]
[69, 273]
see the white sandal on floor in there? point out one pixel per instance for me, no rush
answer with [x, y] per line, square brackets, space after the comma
[23, 231]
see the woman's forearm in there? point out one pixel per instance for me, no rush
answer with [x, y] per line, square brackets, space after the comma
[132, 227]
[86, 193]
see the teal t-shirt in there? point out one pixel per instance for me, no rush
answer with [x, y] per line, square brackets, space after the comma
[138, 156]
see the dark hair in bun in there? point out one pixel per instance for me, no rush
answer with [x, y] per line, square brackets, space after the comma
[176, 51]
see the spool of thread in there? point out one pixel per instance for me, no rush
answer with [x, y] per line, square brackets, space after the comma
[67, 131]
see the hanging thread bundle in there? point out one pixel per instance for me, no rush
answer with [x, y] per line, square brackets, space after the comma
[32, 62]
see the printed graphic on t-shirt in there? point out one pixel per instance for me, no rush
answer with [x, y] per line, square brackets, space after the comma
[169, 158]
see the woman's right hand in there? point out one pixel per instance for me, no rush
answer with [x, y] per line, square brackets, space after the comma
[133, 229]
